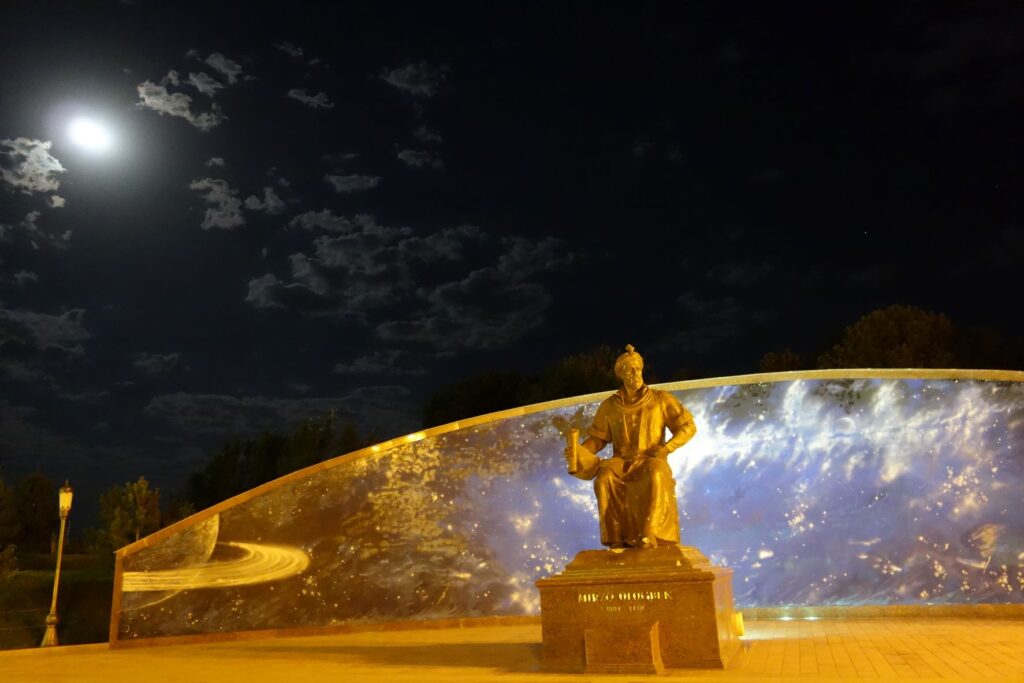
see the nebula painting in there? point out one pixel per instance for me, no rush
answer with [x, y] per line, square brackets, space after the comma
[816, 491]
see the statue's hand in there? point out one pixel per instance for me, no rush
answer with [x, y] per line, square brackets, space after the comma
[583, 456]
[658, 452]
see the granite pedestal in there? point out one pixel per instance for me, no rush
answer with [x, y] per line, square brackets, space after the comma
[638, 611]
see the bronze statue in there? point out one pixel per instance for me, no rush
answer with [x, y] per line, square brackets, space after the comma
[636, 493]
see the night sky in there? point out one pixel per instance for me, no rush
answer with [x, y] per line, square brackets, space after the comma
[302, 208]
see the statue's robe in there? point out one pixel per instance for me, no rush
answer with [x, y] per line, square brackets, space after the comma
[636, 494]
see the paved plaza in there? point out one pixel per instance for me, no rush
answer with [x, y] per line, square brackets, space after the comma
[826, 649]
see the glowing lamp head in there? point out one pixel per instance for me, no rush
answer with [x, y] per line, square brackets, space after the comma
[90, 135]
[65, 496]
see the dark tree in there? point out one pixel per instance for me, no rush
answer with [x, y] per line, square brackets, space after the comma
[242, 464]
[781, 361]
[35, 499]
[477, 395]
[582, 373]
[10, 525]
[127, 513]
[909, 337]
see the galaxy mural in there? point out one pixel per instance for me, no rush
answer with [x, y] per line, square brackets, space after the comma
[820, 490]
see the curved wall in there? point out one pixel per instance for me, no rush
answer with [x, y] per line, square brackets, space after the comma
[819, 488]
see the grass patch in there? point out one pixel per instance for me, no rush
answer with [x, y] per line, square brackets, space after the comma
[83, 602]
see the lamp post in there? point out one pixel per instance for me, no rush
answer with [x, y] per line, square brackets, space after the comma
[50, 637]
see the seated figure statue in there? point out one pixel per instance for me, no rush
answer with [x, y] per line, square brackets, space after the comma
[636, 495]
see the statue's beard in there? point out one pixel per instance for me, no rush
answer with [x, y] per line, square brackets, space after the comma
[633, 386]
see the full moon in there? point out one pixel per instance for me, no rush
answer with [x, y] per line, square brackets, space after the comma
[90, 135]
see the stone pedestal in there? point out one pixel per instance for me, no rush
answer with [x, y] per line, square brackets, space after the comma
[638, 611]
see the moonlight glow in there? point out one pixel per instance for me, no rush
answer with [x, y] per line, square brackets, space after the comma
[90, 135]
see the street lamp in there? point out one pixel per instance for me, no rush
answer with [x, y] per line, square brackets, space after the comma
[64, 503]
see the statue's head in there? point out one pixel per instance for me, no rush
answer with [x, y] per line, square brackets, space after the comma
[629, 368]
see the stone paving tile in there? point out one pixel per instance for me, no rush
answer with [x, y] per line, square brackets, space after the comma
[832, 650]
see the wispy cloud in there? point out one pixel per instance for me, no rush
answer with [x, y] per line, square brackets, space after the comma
[427, 136]
[31, 230]
[419, 158]
[172, 78]
[226, 212]
[270, 203]
[401, 283]
[391, 362]
[156, 364]
[215, 161]
[25, 277]
[323, 220]
[740, 274]
[228, 67]
[318, 101]
[36, 343]
[205, 83]
[419, 79]
[352, 183]
[179, 105]
[27, 165]
[290, 49]
[56, 202]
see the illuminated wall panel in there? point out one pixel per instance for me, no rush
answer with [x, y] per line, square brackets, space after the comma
[816, 491]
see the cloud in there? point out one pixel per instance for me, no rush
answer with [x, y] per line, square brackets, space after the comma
[37, 237]
[324, 220]
[740, 274]
[401, 284]
[360, 266]
[419, 79]
[427, 136]
[385, 406]
[352, 183]
[156, 364]
[491, 307]
[340, 159]
[215, 161]
[205, 83]
[276, 176]
[268, 291]
[231, 69]
[392, 362]
[24, 277]
[270, 203]
[27, 165]
[227, 210]
[318, 101]
[172, 78]
[179, 105]
[31, 344]
[418, 158]
[710, 321]
[56, 201]
[290, 49]
[482, 311]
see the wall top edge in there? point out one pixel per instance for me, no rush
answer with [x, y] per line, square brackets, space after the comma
[733, 380]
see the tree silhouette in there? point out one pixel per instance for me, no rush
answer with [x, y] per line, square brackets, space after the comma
[35, 500]
[909, 337]
[128, 512]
